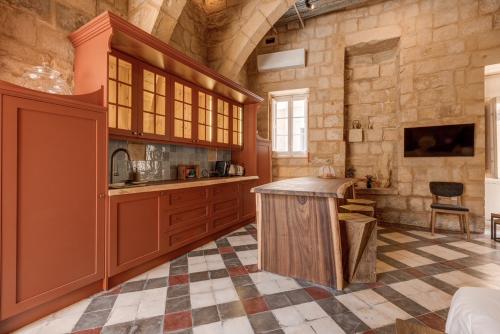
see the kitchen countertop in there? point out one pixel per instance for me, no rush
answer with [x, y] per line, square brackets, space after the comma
[307, 186]
[178, 184]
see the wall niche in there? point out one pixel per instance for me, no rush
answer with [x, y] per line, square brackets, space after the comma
[371, 93]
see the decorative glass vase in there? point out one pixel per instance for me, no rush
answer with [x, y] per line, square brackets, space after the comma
[45, 79]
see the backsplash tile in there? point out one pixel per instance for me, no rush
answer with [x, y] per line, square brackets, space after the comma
[155, 162]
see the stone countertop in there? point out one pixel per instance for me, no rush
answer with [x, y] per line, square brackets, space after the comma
[307, 186]
[178, 184]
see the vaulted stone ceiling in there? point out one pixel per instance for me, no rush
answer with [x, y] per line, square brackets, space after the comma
[223, 33]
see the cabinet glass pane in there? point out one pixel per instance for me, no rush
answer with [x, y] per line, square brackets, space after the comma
[201, 99]
[201, 116]
[124, 95]
[209, 102]
[226, 122]
[160, 125]
[149, 80]
[220, 135]
[178, 128]
[201, 132]
[226, 136]
[124, 71]
[111, 116]
[124, 118]
[160, 105]
[179, 112]
[187, 94]
[111, 91]
[160, 84]
[147, 102]
[187, 130]
[112, 67]
[148, 122]
[178, 92]
[235, 137]
[187, 112]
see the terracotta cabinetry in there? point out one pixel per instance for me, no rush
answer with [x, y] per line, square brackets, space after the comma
[147, 225]
[53, 201]
[134, 228]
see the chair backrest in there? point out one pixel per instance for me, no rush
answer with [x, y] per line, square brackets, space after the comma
[446, 189]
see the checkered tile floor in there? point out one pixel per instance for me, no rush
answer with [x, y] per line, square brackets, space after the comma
[217, 289]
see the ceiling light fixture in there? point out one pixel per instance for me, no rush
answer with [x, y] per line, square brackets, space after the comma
[310, 5]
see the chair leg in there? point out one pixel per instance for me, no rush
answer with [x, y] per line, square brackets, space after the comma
[467, 227]
[461, 221]
[433, 221]
[491, 226]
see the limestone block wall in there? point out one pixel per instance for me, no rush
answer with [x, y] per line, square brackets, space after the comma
[371, 84]
[36, 31]
[444, 46]
[189, 34]
[324, 76]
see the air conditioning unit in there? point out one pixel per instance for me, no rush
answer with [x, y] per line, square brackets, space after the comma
[281, 60]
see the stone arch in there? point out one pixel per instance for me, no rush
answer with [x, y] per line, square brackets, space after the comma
[232, 44]
[157, 17]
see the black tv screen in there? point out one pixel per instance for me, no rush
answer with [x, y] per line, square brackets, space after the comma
[440, 141]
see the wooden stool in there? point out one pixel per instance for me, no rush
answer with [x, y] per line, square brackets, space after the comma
[356, 208]
[361, 201]
[495, 219]
[360, 263]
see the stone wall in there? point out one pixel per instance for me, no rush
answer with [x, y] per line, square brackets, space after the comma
[371, 84]
[36, 31]
[189, 35]
[444, 45]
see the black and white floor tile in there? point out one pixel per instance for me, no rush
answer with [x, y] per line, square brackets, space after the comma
[217, 289]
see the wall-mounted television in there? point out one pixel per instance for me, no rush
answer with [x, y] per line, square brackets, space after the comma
[439, 141]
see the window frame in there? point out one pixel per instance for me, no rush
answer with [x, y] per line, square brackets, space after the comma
[290, 99]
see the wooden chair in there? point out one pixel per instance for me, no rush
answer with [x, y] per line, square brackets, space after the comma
[360, 201]
[449, 190]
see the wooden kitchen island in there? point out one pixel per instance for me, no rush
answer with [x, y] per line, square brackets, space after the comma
[300, 235]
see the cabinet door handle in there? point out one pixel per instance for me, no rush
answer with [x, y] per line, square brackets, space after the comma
[141, 134]
[102, 195]
[134, 133]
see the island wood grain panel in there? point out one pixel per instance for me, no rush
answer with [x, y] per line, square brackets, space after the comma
[296, 237]
[307, 186]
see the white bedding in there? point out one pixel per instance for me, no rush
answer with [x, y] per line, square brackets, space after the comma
[474, 311]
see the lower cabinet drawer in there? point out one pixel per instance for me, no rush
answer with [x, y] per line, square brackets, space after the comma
[181, 238]
[225, 220]
[225, 191]
[224, 206]
[179, 219]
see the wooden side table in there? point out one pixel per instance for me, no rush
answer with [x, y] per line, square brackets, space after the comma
[495, 219]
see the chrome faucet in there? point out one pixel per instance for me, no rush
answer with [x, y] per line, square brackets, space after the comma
[112, 172]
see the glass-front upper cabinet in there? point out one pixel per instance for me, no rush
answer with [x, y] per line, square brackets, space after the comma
[237, 130]
[222, 123]
[205, 117]
[183, 112]
[154, 104]
[120, 94]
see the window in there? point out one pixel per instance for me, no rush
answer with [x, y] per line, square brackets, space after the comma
[290, 125]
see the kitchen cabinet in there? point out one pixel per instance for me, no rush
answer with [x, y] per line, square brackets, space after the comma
[222, 123]
[53, 183]
[247, 207]
[153, 120]
[134, 230]
[205, 117]
[182, 120]
[145, 226]
[121, 119]
[237, 126]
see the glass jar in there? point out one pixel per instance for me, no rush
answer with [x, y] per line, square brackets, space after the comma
[45, 79]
